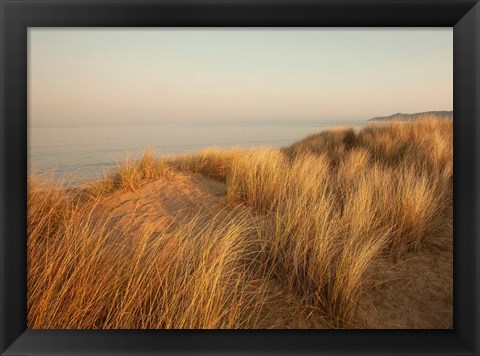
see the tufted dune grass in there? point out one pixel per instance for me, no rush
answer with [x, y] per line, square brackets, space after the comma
[310, 218]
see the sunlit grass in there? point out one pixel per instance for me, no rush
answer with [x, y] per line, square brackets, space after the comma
[311, 217]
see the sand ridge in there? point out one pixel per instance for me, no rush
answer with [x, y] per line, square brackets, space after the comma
[185, 196]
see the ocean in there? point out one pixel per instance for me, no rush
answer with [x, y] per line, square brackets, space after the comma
[78, 152]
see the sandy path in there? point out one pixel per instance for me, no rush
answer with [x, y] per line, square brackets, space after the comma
[415, 293]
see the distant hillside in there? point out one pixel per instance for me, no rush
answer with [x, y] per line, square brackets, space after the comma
[417, 116]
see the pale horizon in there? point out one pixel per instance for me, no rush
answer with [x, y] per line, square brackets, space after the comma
[160, 75]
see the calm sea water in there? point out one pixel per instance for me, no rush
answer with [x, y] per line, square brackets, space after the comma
[87, 151]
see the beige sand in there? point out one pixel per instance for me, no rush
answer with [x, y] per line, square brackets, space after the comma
[415, 293]
[163, 199]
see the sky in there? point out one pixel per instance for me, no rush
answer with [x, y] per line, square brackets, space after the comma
[124, 76]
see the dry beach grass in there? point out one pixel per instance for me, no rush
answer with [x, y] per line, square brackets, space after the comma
[264, 238]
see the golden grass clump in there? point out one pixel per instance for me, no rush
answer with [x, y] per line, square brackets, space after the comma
[330, 218]
[87, 271]
[211, 162]
[130, 175]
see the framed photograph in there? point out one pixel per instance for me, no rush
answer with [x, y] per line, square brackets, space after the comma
[239, 177]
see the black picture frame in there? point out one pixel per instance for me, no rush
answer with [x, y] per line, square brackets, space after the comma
[18, 15]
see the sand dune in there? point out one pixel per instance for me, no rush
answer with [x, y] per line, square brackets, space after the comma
[414, 292]
[343, 229]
